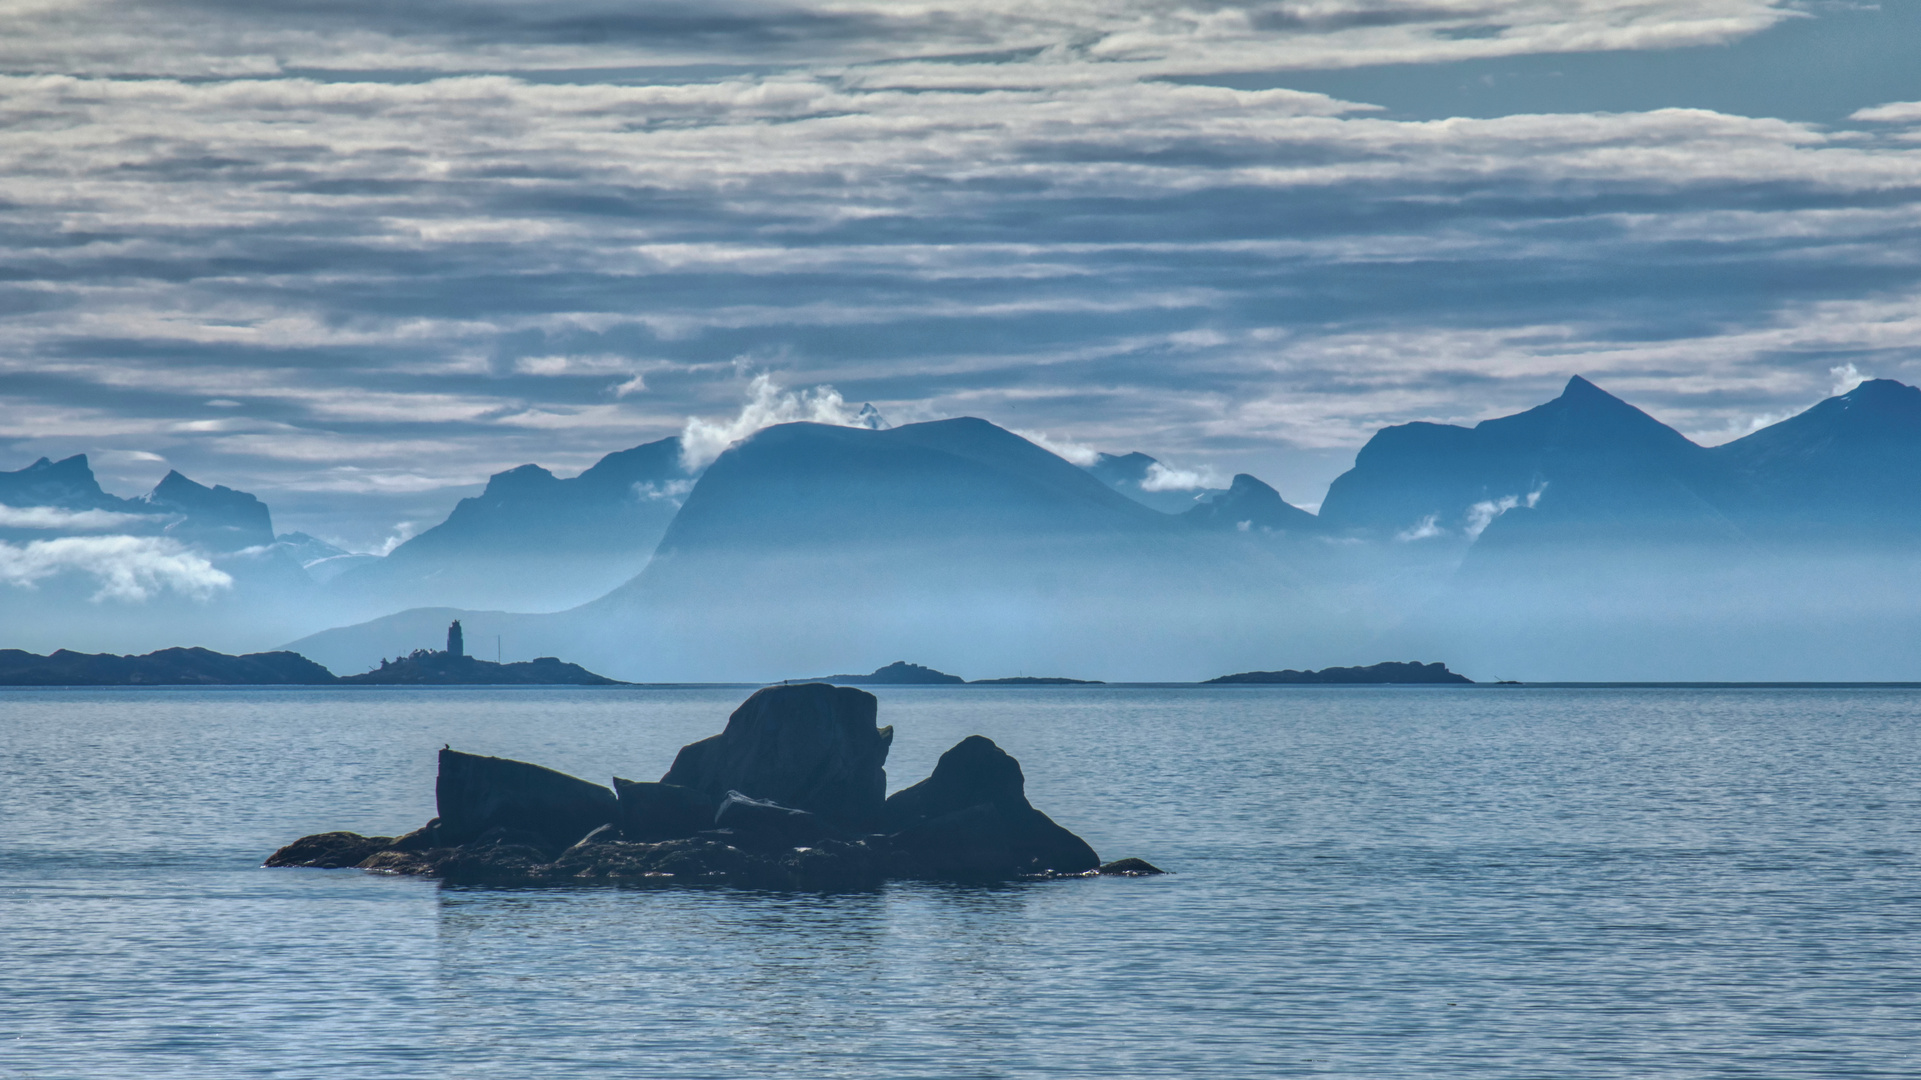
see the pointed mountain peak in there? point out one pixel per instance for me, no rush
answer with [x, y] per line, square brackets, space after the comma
[1245, 485]
[70, 469]
[68, 482]
[173, 485]
[1884, 392]
[1580, 391]
[521, 478]
[1250, 504]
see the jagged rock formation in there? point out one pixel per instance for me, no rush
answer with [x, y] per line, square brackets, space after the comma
[217, 518]
[1391, 672]
[68, 484]
[971, 818]
[512, 822]
[811, 747]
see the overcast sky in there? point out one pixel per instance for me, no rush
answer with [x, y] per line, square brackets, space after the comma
[354, 256]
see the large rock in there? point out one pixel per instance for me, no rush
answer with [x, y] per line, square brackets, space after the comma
[650, 813]
[971, 818]
[477, 794]
[810, 747]
[762, 824]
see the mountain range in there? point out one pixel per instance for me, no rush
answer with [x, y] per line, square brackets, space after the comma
[533, 541]
[1581, 538]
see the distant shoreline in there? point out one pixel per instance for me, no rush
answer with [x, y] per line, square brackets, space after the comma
[1224, 687]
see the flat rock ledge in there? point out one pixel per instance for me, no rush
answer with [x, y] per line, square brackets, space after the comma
[829, 866]
[791, 796]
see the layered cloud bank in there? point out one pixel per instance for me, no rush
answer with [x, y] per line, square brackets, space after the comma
[332, 249]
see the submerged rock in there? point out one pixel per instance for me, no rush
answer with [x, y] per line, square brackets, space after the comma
[811, 747]
[329, 850]
[506, 859]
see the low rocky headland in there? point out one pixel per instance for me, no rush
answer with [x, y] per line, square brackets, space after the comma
[791, 795]
[1391, 673]
[167, 667]
[426, 667]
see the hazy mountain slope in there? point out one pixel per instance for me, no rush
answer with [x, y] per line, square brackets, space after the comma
[809, 548]
[1587, 462]
[1764, 559]
[801, 486]
[218, 518]
[533, 541]
[1136, 476]
[1848, 469]
[185, 564]
[1250, 505]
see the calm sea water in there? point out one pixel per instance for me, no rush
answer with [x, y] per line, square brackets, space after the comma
[1371, 883]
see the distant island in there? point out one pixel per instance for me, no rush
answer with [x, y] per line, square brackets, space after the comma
[902, 673]
[167, 667]
[453, 667]
[1389, 673]
[204, 667]
[1033, 680]
[898, 673]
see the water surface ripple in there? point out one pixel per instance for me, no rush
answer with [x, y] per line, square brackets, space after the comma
[1372, 882]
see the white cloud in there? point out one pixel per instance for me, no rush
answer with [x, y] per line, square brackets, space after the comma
[1060, 448]
[701, 441]
[54, 517]
[1482, 514]
[1896, 112]
[127, 568]
[402, 533]
[1162, 478]
[1846, 377]
[859, 181]
[672, 491]
[1425, 528]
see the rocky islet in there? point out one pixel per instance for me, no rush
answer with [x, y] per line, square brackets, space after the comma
[791, 795]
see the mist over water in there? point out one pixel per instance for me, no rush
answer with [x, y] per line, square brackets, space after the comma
[1371, 882]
